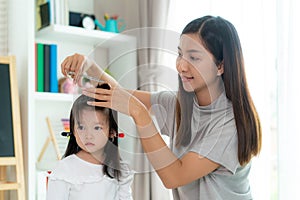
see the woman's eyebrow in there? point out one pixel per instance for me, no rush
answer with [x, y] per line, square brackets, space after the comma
[191, 50]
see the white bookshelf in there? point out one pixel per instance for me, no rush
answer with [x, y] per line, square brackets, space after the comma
[114, 50]
[90, 37]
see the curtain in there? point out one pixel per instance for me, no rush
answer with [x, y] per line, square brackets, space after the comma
[288, 99]
[3, 28]
[150, 35]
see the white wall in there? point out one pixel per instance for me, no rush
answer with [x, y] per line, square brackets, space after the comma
[126, 9]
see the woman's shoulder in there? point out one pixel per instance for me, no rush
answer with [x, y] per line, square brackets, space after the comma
[163, 99]
[165, 93]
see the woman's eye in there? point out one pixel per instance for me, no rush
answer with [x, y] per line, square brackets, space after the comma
[179, 54]
[194, 58]
[80, 127]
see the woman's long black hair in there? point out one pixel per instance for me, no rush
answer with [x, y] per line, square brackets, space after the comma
[111, 164]
[220, 38]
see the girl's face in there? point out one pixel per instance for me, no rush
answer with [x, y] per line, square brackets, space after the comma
[92, 131]
[196, 65]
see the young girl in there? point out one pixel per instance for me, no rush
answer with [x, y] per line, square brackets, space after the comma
[91, 167]
[212, 122]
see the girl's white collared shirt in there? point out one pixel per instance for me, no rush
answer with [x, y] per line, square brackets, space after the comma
[76, 179]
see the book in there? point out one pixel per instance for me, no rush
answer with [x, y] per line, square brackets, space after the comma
[46, 68]
[40, 67]
[53, 68]
[38, 21]
[36, 65]
[52, 11]
[45, 14]
[61, 12]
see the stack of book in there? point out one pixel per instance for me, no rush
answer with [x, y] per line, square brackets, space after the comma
[51, 12]
[46, 67]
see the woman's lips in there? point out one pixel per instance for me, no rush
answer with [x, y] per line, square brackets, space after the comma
[186, 78]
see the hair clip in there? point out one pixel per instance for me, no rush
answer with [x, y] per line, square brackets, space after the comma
[65, 134]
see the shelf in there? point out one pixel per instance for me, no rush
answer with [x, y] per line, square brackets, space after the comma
[81, 35]
[9, 186]
[48, 96]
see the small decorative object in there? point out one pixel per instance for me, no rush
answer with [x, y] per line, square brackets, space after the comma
[111, 24]
[88, 23]
[82, 20]
[66, 85]
[66, 124]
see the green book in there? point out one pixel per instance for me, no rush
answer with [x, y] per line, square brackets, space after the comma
[40, 67]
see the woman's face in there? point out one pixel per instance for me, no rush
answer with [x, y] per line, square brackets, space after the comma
[195, 65]
[92, 131]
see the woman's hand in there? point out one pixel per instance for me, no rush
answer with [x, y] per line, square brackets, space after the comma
[116, 98]
[77, 65]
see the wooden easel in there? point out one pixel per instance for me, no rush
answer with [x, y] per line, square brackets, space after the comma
[50, 138]
[17, 159]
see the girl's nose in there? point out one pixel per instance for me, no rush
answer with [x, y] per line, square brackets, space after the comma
[89, 134]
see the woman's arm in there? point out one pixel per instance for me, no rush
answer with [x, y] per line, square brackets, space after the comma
[143, 96]
[173, 172]
[77, 63]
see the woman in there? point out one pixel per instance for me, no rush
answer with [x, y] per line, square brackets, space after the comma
[212, 122]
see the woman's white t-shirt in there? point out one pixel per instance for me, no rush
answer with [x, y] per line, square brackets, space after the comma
[76, 179]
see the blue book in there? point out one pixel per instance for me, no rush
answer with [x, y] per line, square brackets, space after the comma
[53, 68]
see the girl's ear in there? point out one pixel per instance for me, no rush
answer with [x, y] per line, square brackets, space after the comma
[220, 69]
[112, 135]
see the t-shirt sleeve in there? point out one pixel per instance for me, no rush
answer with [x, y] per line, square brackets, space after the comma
[57, 189]
[163, 108]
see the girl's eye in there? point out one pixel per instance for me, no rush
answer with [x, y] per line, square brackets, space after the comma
[98, 128]
[80, 127]
[179, 54]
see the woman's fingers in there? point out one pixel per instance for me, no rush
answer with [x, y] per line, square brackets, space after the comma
[115, 98]
[97, 91]
[72, 63]
[65, 66]
[78, 63]
[100, 104]
[100, 94]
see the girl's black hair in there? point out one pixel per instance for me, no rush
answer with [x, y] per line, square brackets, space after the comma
[111, 164]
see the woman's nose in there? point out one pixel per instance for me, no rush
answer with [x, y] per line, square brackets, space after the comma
[182, 65]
